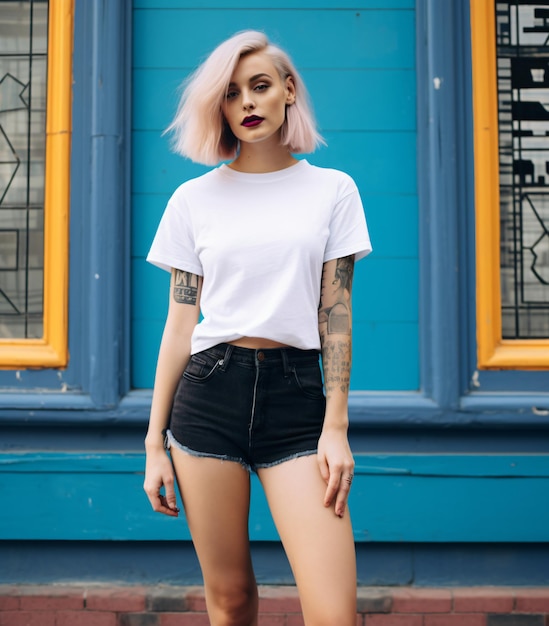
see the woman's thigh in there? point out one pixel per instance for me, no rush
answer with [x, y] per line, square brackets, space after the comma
[216, 499]
[319, 544]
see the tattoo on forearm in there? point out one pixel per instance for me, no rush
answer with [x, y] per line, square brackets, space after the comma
[185, 287]
[336, 359]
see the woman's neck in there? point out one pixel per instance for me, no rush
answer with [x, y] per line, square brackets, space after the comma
[260, 159]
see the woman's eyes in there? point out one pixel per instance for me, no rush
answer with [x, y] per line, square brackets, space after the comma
[233, 93]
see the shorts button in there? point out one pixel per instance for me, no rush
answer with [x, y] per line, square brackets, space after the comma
[260, 356]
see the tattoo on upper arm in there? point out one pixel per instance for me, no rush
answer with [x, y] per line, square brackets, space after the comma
[335, 301]
[185, 287]
[339, 319]
[344, 271]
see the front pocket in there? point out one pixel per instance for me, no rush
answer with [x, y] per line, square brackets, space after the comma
[200, 369]
[309, 381]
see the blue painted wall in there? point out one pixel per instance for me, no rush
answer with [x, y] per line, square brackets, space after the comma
[452, 469]
[395, 498]
[359, 66]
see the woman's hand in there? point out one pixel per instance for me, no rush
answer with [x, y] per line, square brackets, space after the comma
[158, 474]
[336, 466]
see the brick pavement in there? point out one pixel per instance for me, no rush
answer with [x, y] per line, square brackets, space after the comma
[110, 605]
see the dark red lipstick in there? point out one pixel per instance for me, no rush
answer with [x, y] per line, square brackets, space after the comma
[252, 120]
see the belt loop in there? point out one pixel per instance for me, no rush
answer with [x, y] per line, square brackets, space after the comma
[285, 362]
[227, 357]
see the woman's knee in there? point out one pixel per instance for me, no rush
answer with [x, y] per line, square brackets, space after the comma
[233, 603]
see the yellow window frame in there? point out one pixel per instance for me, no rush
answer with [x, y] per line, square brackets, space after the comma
[493, 352]
[52, 349]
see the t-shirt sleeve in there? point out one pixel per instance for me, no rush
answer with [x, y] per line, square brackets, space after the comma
[173, 245]
[348, 229]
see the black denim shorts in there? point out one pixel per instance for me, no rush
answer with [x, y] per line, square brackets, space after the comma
[256, 407]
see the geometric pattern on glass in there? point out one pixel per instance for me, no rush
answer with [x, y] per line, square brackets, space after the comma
[23, 62]
[522, 39]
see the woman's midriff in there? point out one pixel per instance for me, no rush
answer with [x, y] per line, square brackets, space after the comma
[256, 343]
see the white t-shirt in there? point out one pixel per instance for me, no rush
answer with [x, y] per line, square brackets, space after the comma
[260, 241]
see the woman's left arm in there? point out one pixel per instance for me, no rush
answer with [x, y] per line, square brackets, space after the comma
[335, 324]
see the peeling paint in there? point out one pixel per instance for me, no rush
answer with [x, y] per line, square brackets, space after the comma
[437, 82]
[537, 411]
[474, 380]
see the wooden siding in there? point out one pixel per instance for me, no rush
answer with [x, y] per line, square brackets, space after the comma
[395, 498]
[359, 66]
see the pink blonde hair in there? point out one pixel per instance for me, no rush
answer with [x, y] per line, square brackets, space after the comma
[199, 129]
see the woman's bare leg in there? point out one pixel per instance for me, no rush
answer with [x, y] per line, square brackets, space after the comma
[216, 498]
[319, 545]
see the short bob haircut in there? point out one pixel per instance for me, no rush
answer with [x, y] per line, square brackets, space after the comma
[200, 131]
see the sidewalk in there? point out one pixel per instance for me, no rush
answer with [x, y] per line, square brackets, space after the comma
[102, 605]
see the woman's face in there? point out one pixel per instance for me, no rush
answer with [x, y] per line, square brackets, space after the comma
[256, 100]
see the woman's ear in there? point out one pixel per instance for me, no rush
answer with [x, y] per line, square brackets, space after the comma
[289, 86]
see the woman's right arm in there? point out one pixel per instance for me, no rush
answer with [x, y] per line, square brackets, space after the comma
[173, 356]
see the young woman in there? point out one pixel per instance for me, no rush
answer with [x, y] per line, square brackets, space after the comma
[256, 245]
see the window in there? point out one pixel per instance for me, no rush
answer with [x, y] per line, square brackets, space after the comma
[511, 114]
[35, 45]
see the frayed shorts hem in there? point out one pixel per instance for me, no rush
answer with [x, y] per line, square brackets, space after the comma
[290, 457]
[172, 441]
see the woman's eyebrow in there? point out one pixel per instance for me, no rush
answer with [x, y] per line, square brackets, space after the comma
[252, 78]
[256, 76]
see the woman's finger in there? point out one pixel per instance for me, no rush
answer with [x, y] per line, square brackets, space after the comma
[169, 488]
[324, 469]
[333, 486]
[343, 493]
[167, 507]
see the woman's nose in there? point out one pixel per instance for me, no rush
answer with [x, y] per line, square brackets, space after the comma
[247, 102]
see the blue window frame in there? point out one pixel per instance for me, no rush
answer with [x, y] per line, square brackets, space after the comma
[96, 375]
